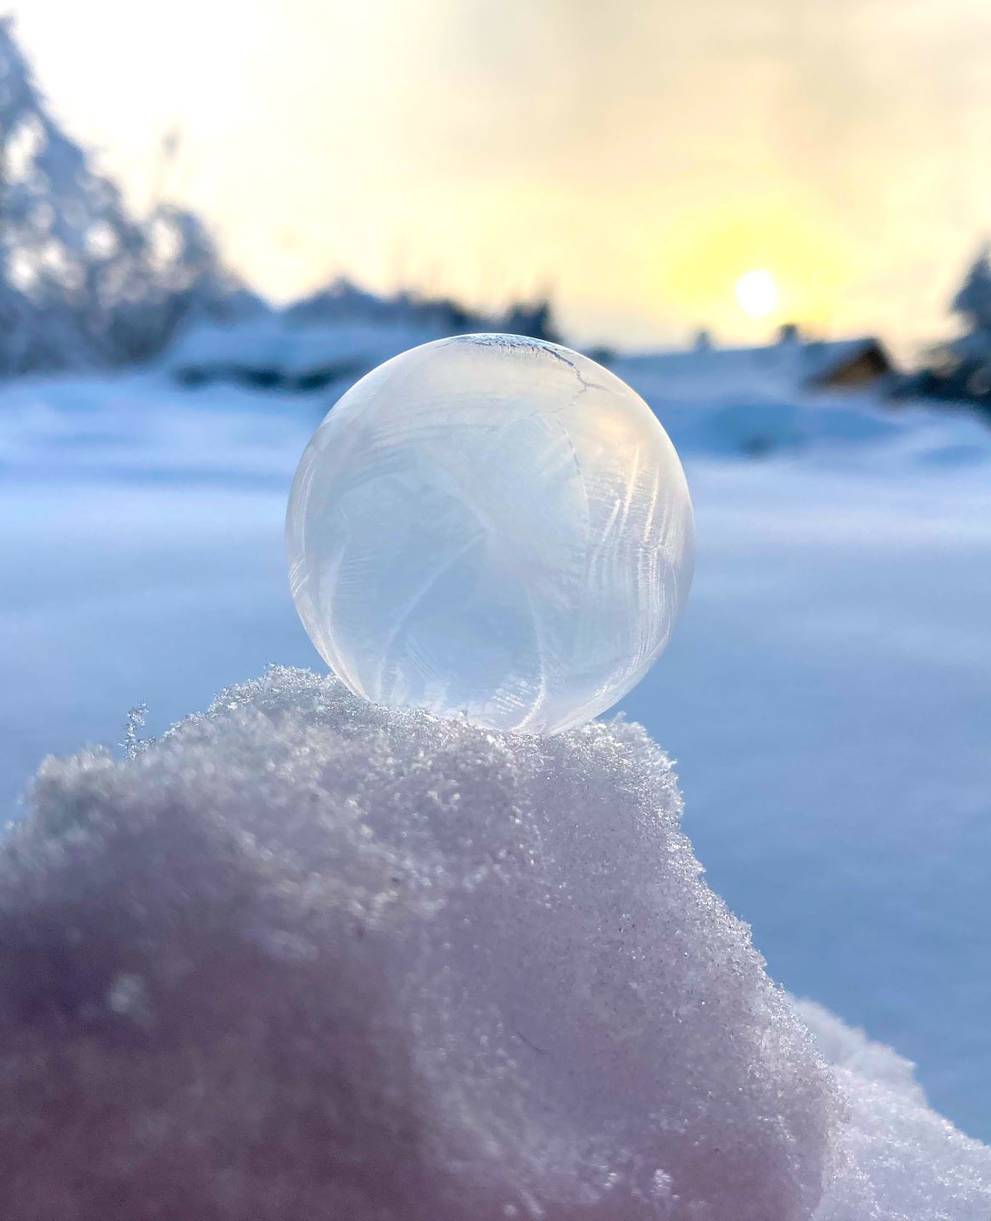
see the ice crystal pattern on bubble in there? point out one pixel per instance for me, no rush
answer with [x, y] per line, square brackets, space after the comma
[491, 525]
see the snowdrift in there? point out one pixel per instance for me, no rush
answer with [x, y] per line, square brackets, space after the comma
[728, 411]
[307, 957]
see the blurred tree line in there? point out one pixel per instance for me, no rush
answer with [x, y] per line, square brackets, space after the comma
[82, 281]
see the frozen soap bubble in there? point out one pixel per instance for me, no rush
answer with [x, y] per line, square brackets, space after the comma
[494, 526]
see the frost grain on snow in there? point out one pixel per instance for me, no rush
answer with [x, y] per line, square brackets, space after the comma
[306, 957]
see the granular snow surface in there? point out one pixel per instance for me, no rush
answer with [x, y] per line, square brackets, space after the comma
[303, 956]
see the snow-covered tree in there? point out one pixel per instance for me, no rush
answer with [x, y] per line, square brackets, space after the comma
[960, 369]
[968, 362]
[82, 281]
[973, 300]
[176, 278]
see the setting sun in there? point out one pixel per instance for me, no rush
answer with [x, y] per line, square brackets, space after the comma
[757, 293]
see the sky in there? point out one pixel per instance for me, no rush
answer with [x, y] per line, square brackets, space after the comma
[638, 160]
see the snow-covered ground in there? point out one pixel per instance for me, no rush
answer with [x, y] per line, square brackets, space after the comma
[827, 696]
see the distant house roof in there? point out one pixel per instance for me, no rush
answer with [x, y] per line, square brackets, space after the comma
[771, 370]
[806, 360]
[845, 362]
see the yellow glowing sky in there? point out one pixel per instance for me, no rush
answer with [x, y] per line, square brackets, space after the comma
[635, 158]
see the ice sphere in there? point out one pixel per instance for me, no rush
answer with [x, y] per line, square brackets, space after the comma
[493, 526]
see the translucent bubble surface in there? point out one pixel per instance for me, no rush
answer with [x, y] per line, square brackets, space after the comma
[491, 526]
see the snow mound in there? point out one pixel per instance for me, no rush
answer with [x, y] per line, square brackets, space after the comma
[895, 1160]
[308, 957]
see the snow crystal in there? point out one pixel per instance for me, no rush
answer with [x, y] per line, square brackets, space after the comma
[308, 957]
